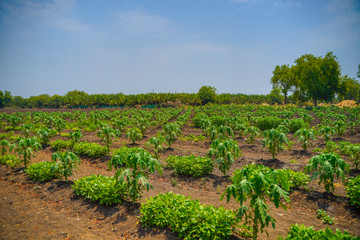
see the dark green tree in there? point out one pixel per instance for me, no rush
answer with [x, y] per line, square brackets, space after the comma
[319, 77]
[350, 88]
[284, 79]
[5, 98]
[207, 94]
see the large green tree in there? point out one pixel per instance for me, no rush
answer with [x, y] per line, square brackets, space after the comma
[207, 94]
[284, 79]
[319, 77]
[350, 88]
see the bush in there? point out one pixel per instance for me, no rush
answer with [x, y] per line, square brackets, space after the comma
[198, 119]
[297, 179]
[99, 188]
[353, 191]
[92, 150]
[187, 217]
[296, 124]
[300, 232]
[60, 144]
[266, 123]
[10, 160]
[190, 165]
[41, 172]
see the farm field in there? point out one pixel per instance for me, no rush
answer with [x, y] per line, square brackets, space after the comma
[52, 210]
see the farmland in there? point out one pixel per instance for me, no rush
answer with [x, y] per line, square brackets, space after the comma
[190, 151]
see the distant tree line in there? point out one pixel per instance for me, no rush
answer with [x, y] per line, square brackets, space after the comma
[315, 78]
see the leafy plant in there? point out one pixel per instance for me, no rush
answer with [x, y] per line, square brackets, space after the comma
[92, 150]
[296, 124]
[6, 146]
[41, 172]
[134, 134]
[190, 165]
[259, 184]
[10, 160]
[107, 134]
[275, 141]
[353, 191]
[304, 136]
[59, 125]
[60, 144]
[187, 217]
[106, 190]
[65, 163]
[252, 133]
[44, 135]
[157, 143]
[296, 179]
[267, 123]
[224, 151]
[326, 132]
[26, 147]
[299, 232]
[326, 219]
[327, 166]
[340, 127]
[171, 132]
[75, 136]
[135, 173]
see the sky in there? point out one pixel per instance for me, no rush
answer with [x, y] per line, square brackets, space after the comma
[141, 46]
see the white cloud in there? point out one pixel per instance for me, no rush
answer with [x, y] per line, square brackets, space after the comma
[139, 23]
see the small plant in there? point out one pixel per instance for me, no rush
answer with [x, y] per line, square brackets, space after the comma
[92, 150]
[327, 166]
[157, 143]
[44, 135]
[275, 141]
[10, 160]
[59, 125]
[326, 219]
[59, 144]
[99, 188]
[65, 163]
[296, 180]
[134, 134]
[304, 136]
[224, 151]
[107, 134]
[41, 172]
[252, 133]
[26, 147]
[190, 165]
[340, 127]
[326, 132]
[171, 132]
[353, 191]
[6, 146]
[75, 136]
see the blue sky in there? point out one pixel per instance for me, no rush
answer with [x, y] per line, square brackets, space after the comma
[140, 46]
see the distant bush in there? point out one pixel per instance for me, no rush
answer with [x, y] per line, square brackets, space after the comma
[265, 123]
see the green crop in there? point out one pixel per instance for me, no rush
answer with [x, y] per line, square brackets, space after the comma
[65, 163]
[190, 165]
[275, 141]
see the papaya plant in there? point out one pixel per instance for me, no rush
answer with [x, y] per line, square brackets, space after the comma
[327, 166]
[75, 136]
[134, 134]
[326, 132]
[6, 144]
[259, 184]
[59, 125]
[275, 141]
[65, 163]
[171, 132]
[251, 134]
[304, 135]
[107, 134]
[340, 127]
[157, 143]
[26, 146]
[224, 150]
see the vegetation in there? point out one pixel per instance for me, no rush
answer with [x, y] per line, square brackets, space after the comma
[353, 191]
[41, 172]
[65, 163]
[190, 165]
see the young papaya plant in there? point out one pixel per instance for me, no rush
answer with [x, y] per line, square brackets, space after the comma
[340, 127]
[6, 144]
[157, 143]
[75, 136]
[171, 132]
[26, 128]
[26, 146]
[65, 163]
[275, 141]
[59, 125]
[251, 134]
[225, 151]
[304, 135]
[327, 166]
[107, 134]
[326, 132]
[134, 134]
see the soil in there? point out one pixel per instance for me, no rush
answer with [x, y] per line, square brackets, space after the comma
[51, 210]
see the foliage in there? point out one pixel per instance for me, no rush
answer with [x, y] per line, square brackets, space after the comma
[304, 135]
[6, 146]
[92, 150]
[134, 134]
[59, 124]
[187, 217]
[224, 150]
[26, 147]
[284, 78]
[296, 179]
[353, 191]
[107, 134]
[266, 123]
[326, 132]
[60, 144]
[295, 124]
[190, 165]
[340, 127]
[137, 166]
[75, 136]
[257, 183]
[325, 218]
[65, 163]
[252, 133]
[327, 165]
[44, 135]
[300, 232]
[41, 172]
[10, 160]
[275, 141]
[157, 143]
[171, 132]
[105, 190]
[207, 94]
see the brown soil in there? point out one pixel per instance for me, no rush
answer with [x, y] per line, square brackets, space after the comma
[31, 210]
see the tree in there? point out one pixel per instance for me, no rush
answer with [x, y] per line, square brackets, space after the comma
[358, 73]
[318, 77]
[350, 88]
[284, 78]
[207, 94]
[5, 98]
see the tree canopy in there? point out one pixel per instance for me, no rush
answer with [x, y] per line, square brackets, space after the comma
[207, 94]
[284, 79]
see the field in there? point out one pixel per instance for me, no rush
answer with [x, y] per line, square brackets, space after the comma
[52, 210]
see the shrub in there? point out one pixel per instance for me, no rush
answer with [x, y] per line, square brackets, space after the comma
[92, 150]
[295, 124]
[296, 179]
[10, 160]
[190, 165]
[105, 190]
[275, 141]
[300, 232]
[60, 144]
[266, 123]
[353, 191]
[41, 172]
[187, 217]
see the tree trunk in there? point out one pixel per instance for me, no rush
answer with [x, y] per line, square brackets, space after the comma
[285, 98]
